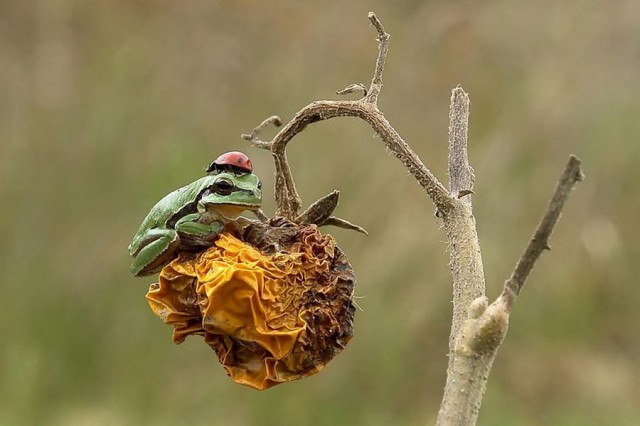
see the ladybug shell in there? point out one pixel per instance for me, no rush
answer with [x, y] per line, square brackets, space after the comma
[234, 158]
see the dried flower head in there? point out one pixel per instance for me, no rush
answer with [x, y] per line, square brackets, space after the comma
[275, 306]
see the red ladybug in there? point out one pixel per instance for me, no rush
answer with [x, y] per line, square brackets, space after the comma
[235, 160]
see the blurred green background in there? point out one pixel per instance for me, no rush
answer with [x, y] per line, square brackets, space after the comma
[105, 106]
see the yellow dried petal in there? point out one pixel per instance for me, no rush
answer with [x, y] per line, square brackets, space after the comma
[270, 318]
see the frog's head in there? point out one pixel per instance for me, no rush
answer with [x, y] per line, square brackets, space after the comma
[233, 193]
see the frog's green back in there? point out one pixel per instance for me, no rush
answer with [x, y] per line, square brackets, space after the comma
[168, 206]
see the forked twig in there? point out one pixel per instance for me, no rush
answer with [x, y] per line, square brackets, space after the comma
[288, 201]
[253, 136]
[478, 327]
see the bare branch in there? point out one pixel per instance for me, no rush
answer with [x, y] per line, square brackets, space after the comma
[470, 362]
[540, 240]
[468, 368]
[253, 137]
[460, 173]
[383, 48]
[324, 110]
[287, 199]
[466, 260]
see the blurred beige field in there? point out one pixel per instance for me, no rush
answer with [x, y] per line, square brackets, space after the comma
[106, 106]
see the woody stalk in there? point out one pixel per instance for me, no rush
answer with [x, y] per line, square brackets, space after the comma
[478, 327]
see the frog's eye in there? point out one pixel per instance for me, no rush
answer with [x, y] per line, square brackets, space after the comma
[259, 185]
[223, 187]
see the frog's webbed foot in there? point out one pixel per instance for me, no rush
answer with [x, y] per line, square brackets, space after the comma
[261, 216]
[193, 234]
[320, 213]
[239, 225]
[192, 242]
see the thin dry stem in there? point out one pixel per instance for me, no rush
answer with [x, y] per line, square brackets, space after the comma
[253, 136]
[383, 48]
[540, 240]
[460, 173]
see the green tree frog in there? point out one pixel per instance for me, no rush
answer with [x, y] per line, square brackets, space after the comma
[192, 216]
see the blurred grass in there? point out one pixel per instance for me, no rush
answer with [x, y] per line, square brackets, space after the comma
[106, 106]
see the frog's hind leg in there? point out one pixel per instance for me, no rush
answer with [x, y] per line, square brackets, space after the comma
[154, 256]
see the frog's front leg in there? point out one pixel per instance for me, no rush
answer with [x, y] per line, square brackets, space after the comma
[158, 250]
[194, 233]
